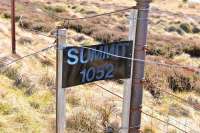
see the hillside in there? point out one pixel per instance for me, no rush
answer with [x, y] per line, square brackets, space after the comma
[27, 87]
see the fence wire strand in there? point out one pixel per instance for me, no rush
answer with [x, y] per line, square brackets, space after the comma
[21, 58]
[145, 61]
[44, 56]
[93, 16]
[164, 122]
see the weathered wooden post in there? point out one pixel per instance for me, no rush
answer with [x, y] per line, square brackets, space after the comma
[138, 67]
[13, 26]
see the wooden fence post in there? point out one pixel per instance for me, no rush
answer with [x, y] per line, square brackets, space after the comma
[13, 26]
[138, 67]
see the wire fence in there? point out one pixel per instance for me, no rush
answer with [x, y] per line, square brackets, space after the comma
[41, 54]
[167, 121]
[107, 90]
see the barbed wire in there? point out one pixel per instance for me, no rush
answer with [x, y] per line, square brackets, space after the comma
[1, 59]
[21, 58]
[158, 127]
[44, 56]
[167, 116]
[108, 91]
[103, 14]
[160, 120]
[93, 16]
[195, 106]
[164, 122]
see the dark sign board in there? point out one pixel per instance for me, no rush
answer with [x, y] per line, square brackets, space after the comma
[98, 62]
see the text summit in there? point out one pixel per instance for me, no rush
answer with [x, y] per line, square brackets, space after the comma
[82, 55]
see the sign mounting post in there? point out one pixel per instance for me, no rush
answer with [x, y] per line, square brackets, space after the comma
[81, 65]
[60, 91]
[128, 82]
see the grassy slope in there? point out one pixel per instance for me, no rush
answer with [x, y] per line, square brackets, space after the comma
[30, 105]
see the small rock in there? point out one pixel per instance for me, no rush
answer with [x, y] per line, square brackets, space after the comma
[2, 92]
[196, 30]
[3, 28]
[109, 130]
[186, 27]
[25, 40]
[79, 38]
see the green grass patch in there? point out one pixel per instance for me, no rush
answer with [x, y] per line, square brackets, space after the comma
[42, 101]
[5, 108]
[55, 8]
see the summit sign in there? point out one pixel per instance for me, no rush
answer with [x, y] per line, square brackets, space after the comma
[97, 62]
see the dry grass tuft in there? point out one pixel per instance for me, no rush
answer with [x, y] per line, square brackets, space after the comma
[169, 45]
[26, 123]
[46, 61]
[73, 99]
[5, 108]
[172, 131]
[38, 24]
[106, 111]
[180, 82]
[42, 101]
[152, 86]
[48, 79]
[186, 27]
[25, 84]
[179, 111]
[193, 50]
[20, 81]
[103, 36]
[84, 120]
[10, 72]
[55, 8]
[7, 15]
[99, 29]
[155, 81]
[149, 129]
